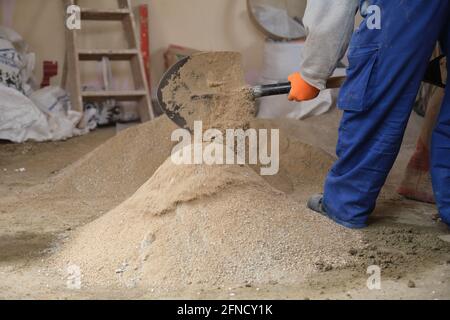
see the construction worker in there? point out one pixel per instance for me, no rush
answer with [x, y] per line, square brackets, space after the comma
[387, 62]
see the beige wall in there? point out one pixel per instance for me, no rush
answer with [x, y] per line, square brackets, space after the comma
[201, 24]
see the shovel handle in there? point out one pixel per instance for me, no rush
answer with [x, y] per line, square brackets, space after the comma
[285, 87]
[271, 89]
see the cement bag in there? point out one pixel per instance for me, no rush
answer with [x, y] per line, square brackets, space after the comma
[280, 60]
[16, 64]
[54, 102]
[20, 119]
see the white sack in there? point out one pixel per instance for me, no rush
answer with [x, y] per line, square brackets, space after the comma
[16, 63]
[45, 116]
[20, 119]
[25, 114]
[54, 102]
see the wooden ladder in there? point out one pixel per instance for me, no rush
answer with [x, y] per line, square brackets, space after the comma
[71, 80]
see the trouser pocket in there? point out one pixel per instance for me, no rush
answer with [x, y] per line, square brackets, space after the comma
[355, 95]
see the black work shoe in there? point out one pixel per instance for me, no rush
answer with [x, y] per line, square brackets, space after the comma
[315, 203]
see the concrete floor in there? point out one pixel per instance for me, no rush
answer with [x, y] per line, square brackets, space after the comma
[26, 240]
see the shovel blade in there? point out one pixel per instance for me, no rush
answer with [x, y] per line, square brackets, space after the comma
[174, 111]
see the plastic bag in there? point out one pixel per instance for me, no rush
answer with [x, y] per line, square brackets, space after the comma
[45, 116]
[54, 102]
[20, 119]
[16, 63]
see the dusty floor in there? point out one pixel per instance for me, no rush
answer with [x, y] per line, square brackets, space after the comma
[404, 240]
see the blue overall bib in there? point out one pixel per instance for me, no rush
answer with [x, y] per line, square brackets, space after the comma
[386, 68]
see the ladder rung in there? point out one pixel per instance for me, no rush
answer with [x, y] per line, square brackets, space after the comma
[116, 95]
[98, 54]
[105, 15]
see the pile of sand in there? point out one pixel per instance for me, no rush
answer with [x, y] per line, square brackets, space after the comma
[117, 168]
[212, 225]
[215, 225]
[184, 225]
[199, 224]
[211, 87]
[107, 176]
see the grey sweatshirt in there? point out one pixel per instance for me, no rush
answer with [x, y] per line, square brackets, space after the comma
[329, 24]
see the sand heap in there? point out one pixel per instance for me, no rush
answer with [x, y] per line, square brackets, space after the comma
[215, 225]
[117, 168]
[211, 87]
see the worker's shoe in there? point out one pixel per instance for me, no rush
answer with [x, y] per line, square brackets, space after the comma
[316, 204]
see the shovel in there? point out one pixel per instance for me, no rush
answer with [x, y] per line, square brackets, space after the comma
[258, 91]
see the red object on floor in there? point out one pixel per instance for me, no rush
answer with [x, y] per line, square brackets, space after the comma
[50, 70]
[145, 41]
[420, 161]
[416, 184]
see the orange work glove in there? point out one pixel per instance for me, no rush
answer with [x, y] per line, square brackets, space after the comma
[300, 89]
